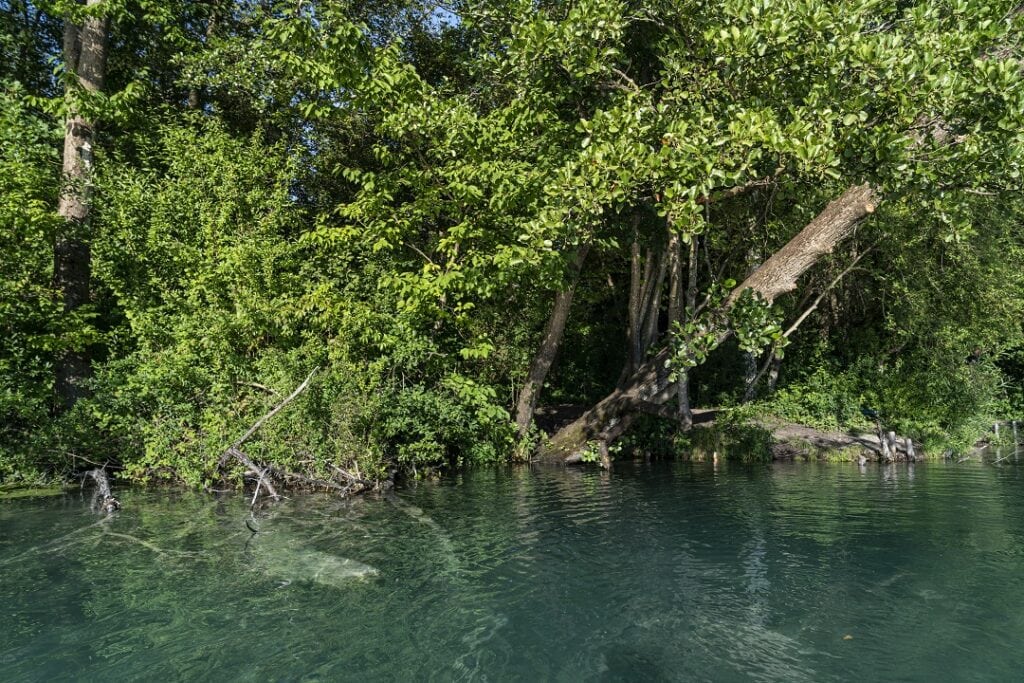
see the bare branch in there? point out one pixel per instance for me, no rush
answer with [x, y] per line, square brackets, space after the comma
[257, 385]
[260, 422]
[741, 189]
[810, 309]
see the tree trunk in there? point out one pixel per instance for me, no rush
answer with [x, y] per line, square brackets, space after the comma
[545, 356]
[773, 373]
[652, 305]
[194, 100]
[751, 377]
[85, 53]
[634, 301]
[639, 290]
[776, 276]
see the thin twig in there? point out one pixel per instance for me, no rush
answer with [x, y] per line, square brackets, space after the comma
[813, 306]
[803, 316]
[741, 189]
[260, 472]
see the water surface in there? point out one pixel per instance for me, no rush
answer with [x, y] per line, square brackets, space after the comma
[798, 572]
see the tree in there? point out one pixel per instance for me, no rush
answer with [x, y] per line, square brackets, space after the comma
[85, 58]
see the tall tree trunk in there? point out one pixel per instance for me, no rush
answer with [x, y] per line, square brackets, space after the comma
[678, 312]
[776, 276]
[195, 92]
[545, 356]
[750, 375]
[652, 304]
[632, 334]
[85, 54]
[683, 382]
[639, 292]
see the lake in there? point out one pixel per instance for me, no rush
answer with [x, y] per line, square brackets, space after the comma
[669, 571]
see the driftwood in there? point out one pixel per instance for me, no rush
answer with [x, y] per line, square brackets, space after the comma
[265, 475]
[235, 452]
[103, 499]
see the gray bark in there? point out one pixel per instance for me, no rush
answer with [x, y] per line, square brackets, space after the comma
[683, 383]
[548, 350]
[85, 54]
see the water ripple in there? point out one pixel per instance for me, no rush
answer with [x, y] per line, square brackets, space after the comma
[677, 572]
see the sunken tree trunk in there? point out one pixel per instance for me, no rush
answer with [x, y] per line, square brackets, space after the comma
[85, 54]
[650, 384]
[548, 350]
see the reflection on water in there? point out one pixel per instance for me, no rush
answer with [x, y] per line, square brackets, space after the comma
[664, 572]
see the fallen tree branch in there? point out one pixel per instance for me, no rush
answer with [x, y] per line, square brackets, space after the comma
[776, 276]
[278, 408]
[234, 450]
[345, 483]
[103, 499]
[261, 473]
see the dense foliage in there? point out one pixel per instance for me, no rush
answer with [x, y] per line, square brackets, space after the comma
[391, 193]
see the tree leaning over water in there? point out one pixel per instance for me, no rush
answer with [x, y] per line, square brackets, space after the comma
[460, 215]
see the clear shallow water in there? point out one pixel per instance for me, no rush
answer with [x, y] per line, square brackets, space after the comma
[665, 572]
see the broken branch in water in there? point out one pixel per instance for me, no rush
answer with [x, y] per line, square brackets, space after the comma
[265, 474]
[150, 546]
[261, 474]
[103, 499]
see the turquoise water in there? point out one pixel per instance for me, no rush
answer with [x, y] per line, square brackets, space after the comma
[798, 572]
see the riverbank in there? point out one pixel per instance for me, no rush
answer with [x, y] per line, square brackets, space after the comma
[760, 438]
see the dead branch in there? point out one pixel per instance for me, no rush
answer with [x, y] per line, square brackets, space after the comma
[810, 309]
[803, 316]
[234, 450]
[278, 408]
[261, 473]
[103, 499]
[257, 385]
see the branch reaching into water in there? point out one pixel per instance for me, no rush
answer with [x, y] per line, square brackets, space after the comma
[104, 499]
[261, 473]
[266, 474]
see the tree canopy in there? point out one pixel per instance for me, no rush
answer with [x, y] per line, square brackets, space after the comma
[773, 207]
